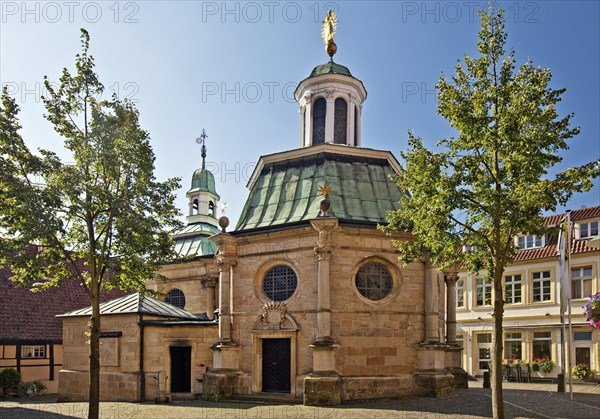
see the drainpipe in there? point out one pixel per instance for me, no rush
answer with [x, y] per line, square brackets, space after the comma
[142, 374]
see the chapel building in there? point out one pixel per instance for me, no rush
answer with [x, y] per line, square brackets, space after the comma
[305, 296]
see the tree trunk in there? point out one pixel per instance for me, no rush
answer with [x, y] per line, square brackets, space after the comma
[497, 396]
[94, 399]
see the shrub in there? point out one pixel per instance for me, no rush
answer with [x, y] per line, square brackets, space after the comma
[31, 389]
[9, 378]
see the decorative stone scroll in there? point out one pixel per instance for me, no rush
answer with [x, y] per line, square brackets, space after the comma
[274, 317]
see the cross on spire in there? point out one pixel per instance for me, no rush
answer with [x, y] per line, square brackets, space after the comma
[202, 141]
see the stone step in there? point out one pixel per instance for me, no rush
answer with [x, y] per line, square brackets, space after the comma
[271, 398]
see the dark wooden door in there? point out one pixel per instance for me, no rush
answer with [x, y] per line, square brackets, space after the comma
[276, 365]
[181, 369]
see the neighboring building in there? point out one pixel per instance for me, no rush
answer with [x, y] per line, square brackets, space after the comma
[532, 322]
[312, 300]
[30, 334]
[146, 343]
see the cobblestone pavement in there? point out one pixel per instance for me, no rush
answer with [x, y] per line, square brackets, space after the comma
[521, 401]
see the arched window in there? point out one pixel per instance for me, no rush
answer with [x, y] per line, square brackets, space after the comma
[355, 125]
[211, 208]
[195, 205]
[319, 112]
[374, 281]
[280, 283]
[340, 123]
[176, 297]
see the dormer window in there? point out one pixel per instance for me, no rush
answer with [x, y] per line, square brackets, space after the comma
[531, 242]
[588, 230]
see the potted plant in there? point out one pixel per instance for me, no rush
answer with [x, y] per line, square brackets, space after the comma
[542, 365]
[591, 311]
[580, 371]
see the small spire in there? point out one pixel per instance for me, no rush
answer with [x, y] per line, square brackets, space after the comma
[328, 32]
[202, 141]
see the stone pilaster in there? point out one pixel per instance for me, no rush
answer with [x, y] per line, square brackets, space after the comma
[209, 283]
[432, 295]
[431, 375]
[453, 352]
[450, 279]
[323, 387]
[222, 381]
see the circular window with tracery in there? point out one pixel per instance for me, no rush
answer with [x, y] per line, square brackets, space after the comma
[176, 297]
[374, 281]
[280, 283]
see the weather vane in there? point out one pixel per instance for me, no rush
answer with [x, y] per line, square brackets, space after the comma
[202, 141]
[328, 32]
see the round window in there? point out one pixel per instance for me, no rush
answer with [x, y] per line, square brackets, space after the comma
[176, 298]
[280, 283]
[374, 281]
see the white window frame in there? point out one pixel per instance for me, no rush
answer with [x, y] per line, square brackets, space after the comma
[530, 241]
[581, 278]
[512, 285]
[512, 337]
[460, 293]
[591, 229]
[545, 281]
[539, 339]
[486, 292]
[33, 351]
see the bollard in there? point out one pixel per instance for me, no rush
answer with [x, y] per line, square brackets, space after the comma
[561, 383]
[486, 379]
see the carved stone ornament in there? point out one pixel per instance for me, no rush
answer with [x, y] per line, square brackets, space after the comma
[324, 251]
[274, 317]
[451, 278]
[209, 281]
[330, 92]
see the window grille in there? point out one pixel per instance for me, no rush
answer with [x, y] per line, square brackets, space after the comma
[374, 281]
[280, 283]
[176, 298]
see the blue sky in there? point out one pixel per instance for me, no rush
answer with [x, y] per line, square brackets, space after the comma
[232, 67]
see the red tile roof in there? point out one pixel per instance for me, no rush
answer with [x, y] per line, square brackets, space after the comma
[28, 316]
[551, 249]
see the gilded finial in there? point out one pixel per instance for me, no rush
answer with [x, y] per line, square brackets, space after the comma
[324, 190]
[202, 141]
[223, 208]
[328, 32]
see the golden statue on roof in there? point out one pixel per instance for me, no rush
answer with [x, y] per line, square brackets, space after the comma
[328, 32]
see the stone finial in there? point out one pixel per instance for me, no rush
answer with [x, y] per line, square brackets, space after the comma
[223, 223]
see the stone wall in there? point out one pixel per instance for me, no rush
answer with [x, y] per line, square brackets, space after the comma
[120, 358]
[376, 338]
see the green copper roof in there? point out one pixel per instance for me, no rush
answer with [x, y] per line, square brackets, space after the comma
[287, 191]
[330, 68]
[195, 246]
[193, 240]
[204, 181]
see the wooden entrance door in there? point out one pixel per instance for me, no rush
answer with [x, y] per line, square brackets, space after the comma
[276, 366]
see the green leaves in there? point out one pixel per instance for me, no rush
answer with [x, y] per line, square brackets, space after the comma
[491, 182]
[106, 208]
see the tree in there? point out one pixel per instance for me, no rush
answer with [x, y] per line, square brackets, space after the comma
[106, 208]
[490, 182]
